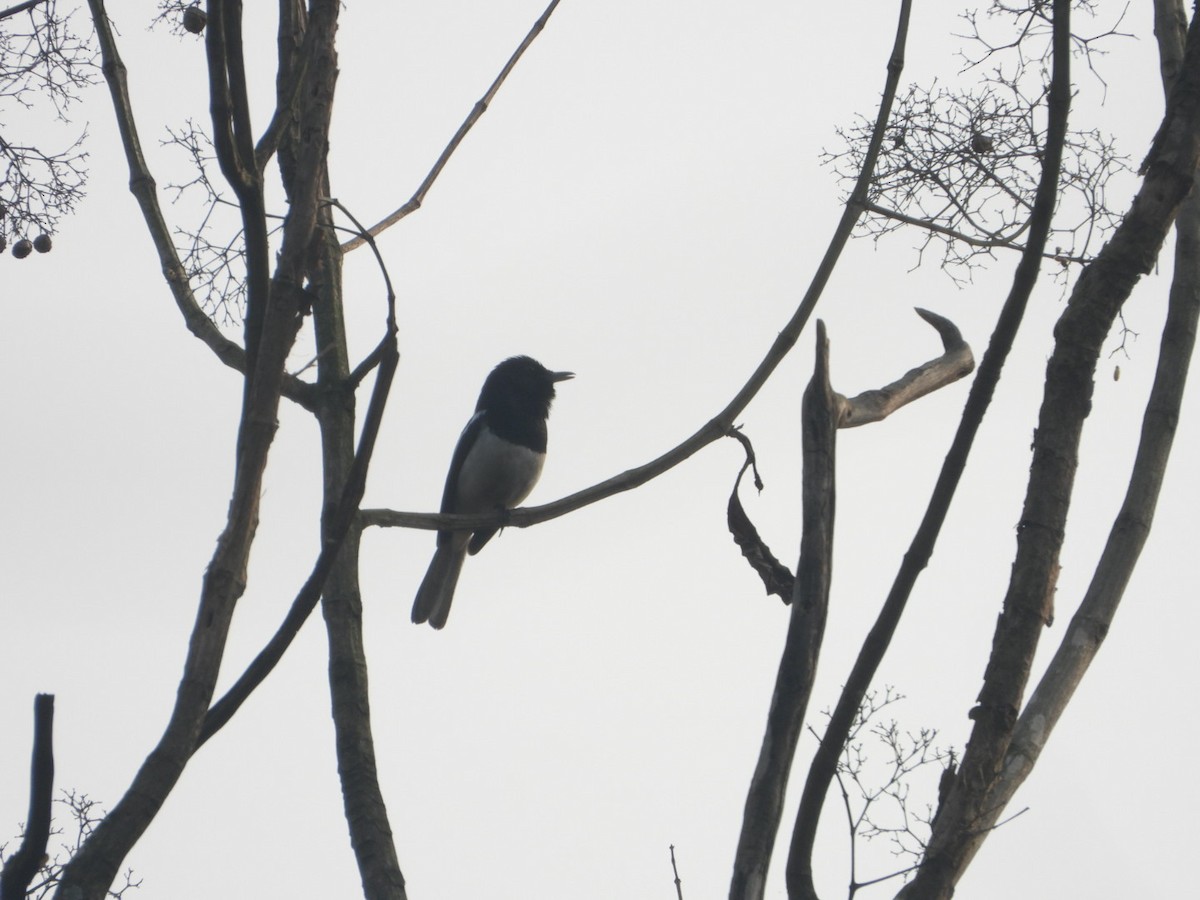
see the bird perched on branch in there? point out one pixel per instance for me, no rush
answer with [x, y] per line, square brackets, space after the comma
[497, 462]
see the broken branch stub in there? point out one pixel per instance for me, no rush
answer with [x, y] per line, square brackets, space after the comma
[955, 362]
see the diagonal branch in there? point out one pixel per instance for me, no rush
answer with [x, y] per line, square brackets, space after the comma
[337, 528]
[955, 363]
[19, 8]
[343, 519]
[477, 111]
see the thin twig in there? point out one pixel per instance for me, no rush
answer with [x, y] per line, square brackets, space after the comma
[414, 202]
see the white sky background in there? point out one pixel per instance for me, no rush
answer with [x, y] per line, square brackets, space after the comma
[642, 205]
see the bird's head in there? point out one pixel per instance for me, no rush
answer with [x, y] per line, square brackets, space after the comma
[520, 381]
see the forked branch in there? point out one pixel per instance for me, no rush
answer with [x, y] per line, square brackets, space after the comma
[823, 412]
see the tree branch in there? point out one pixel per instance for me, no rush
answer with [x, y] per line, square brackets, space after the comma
[955, 363]
[94, 867]
[824, 763]
[477, 111]
[720, 425]
[19, 8]
[1090, 624]
[806, 630]
[143, 187]
[24, 864]
[233, 143]
[1091, 310]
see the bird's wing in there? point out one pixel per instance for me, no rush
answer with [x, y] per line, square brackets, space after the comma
[465, 441]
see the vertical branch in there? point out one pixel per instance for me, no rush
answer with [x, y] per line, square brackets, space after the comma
[1097, 297]
[24, 864]
[341, 603]
[806, 629]
[278, 306]
[233, 141]
[1090, 624]
[824, 763]
[301, 113]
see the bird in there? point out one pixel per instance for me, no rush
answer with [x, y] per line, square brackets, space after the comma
[496, 463]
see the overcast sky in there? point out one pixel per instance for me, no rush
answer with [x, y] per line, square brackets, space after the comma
[643, 205]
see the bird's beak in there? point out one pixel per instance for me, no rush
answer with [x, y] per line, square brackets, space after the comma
[561, 376]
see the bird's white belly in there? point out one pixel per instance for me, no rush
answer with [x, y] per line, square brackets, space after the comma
[497, 474]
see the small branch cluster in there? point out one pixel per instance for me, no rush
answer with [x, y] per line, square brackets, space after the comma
[41, 60]
[1025, 35]
[213, 252]
[85, 814]
[964, 165]
[180, 17]
[876, 793]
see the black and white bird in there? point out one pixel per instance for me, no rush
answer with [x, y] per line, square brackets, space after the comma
[497, 462]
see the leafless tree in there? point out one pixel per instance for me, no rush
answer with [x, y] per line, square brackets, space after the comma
[43, 66]
[979, 171]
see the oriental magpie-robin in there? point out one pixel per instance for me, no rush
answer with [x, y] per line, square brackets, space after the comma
[495, 465]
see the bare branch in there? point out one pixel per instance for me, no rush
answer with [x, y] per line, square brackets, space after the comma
[806, 631]
[721, 424]
[964, 167]
[20, 868]
[1090, 624]
[957, 362]
[879, 638]
[42, 62]
[477, 111]
[142, 186]
[1079, 335]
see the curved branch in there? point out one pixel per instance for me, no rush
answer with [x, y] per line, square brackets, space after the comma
[722, 422]
[957, 362]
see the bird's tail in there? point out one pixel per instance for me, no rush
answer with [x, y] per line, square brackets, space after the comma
[437, 589]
